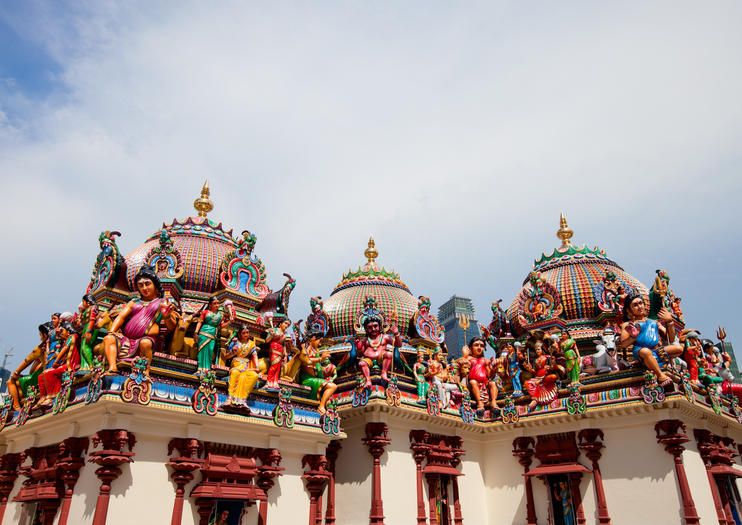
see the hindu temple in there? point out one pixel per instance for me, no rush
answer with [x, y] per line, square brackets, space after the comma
[178, 390]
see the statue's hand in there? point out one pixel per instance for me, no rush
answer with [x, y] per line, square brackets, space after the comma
[395, 330]
[664, 315]
[633, 329]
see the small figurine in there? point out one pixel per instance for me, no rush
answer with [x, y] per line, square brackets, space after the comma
[571, 354]
[542, 387]
[438, 373]
[18, 385]
[68, 359]
[514, 360]
[373, 347]
[692, 352]
[210, 322]
[135, 330]
[479, 376]
[317, 371]
[279, 340]
[243, 371]
[644, 334]
[88, 330]
[418, 370]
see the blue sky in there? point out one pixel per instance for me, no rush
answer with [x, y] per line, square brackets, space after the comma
[454, 134]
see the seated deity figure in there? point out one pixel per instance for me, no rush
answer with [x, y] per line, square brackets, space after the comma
[210, 322]
[481, 376]
[645, 336]
[317, 372]
[373, 348]
[88, 330]
[18, 385]
[280, 342]
[438, 374]
[67, 359]
[135, 330]
[542, 386]
[244, 368]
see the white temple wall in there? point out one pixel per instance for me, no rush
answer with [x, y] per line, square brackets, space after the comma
[353, 478]
[472, 490]
[288, 500]
[398, 477]
[698, 480]
[505, 497]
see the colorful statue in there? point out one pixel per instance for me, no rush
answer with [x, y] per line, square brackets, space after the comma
[571, 354]
[135, 330]
[373, 347]
[68, 359]
[279, 340]
[659, 295]
[211, 321]
[418, 370]
[542, 386]
[243, 370]
[480, 376]
[562, 495]
[644, 334]
[437, 373]
[317, 371]
[605, 359]
[18, 385]
[692, 352]
[88, 330]
[514, 360]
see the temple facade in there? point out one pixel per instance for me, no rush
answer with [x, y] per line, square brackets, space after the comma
[179, 391]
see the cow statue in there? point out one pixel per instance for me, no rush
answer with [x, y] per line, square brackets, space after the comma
[605, 359]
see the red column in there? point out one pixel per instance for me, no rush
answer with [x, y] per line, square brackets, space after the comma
[315, 478]
[419, 448]
[376, 440]
[433, 480]
[523, 450]
[457, 451]
[183, 467]
[68, 465]
[591, 442]
[332, 455]
[671, 433]
[110, 457]
[267, 473]
[575, 478]
[9, 464]
[713, 450]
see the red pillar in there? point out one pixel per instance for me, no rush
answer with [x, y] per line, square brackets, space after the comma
[267, 473]
[332, 455]
[68, 465]
[419, 448]
[575, 478]
[457, 451]
[9, 464]
[671, 433]
[433, 480]
[110, 457]
[183, 467]
[591, 442]
[376, 440]
[315, 478]
[523, 450]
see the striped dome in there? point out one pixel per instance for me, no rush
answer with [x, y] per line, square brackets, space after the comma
[393, 298]
[202, 244]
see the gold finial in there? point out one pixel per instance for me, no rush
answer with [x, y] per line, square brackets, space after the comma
[371, 253]
[564, 232]
[203, 204]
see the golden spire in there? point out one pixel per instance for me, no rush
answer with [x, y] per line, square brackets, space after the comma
[203, 204]
[564, 232]
[371, 253]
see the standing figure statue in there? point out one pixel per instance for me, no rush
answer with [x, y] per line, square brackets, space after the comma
[561, 493]
[571, 354]
[68, 359]
[211, 321]
[373, 348]
[481, 376]
[243, 371]
[135, 330]
[418, 370]
[279, 341]
[644, 334]
[88, 330]
[18, 385]
[514, 360]
[692, 352]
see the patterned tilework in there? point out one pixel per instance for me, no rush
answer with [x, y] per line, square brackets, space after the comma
[345, 303]
[202, 248]
[576, 276]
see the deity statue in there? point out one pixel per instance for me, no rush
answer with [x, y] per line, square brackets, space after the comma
[571, 354]
[659, 295]
[67, 359]
[373, 347]
[244, 368]
[437, 373]
[18, 385]
[514, 360]
[279, 341]
[88, 330]
[561, 493]
[645, 336]
[692, 352]
[210, 322]
[317, 371]
[418, 370]
[542, 386]
[137, 326]
[480, 376]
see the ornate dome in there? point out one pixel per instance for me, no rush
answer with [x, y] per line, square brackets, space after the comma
[202, 244]
[577, 276]
[393, 297]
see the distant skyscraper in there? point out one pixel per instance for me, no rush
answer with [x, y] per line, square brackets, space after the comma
[457, 315]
